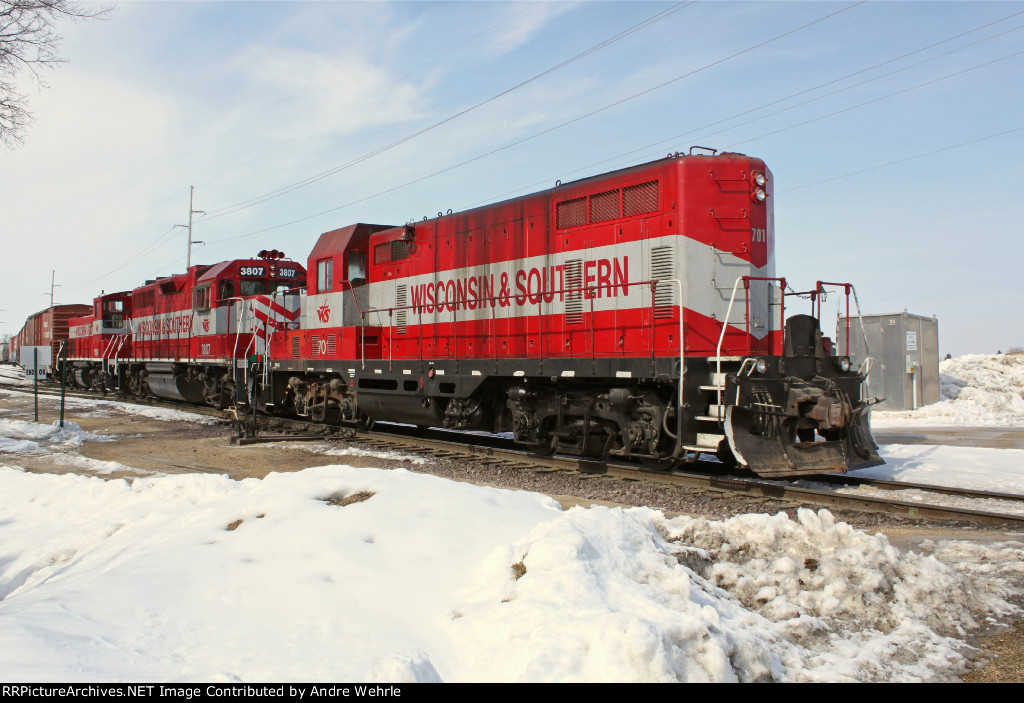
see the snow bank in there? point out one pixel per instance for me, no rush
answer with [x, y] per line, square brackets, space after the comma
[361, 574]
[976, 389]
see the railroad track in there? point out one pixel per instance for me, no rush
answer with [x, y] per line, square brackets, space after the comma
[501, 453]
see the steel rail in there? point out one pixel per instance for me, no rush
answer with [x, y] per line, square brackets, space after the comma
[465, 448]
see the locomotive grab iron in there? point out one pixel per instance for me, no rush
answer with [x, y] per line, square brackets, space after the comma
[634, 314]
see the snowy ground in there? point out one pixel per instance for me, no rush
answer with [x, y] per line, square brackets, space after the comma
[200, 578]
[342, 573]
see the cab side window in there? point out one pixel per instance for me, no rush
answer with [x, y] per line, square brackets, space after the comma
[324, 275]
[356, 268]
[226, 290]
[201, 299]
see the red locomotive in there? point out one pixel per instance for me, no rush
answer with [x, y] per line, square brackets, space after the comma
[186, 337]
[98, 342]
[634, 314]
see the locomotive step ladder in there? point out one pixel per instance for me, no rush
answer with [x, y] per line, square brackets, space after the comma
[710, 423]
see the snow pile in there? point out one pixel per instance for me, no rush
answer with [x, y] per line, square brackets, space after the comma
[361, 574]
[15, 375]
[21, 436]
[857, 608]
[976, 389]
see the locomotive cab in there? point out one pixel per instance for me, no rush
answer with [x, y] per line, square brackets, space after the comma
[100, 343]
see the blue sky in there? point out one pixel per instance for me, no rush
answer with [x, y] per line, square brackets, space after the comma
[242, 99]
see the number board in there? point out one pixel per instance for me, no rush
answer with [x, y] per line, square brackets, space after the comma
[252, 271]
[286, 273]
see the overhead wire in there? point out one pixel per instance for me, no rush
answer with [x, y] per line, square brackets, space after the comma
[900, 161]
[383, 90]
[875, 100]
[245, 204]
[160, 241]
[543, 132]
[672, 140]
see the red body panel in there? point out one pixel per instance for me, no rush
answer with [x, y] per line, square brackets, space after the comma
[565, 273]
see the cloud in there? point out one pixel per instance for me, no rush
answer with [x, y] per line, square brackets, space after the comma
[524, 26]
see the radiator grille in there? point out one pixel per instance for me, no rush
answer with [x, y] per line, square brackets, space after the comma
[641, 198]
[605, 206]
[662, 269]
[574, 294]
[295, 347]
[401, 300]
[571, 213]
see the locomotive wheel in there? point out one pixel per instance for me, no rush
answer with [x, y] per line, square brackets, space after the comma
[547, 446]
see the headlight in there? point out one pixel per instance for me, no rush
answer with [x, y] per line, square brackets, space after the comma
[759, 195]
[760, 366]
[759, 178]
[844, 364]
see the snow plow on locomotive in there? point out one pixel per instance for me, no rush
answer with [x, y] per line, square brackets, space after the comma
[635, 314]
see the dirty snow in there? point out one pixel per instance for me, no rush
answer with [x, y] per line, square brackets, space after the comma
[331, 450]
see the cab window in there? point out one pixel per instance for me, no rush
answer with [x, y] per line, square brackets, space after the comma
[324, 275]
[227, 290]
[201, 298]
[356, 268]
[247, 288]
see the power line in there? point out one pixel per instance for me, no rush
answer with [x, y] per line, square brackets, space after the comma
[225, 211]
[671, 140]
[543, 132]
[160, 241]
[875, 100]
[386, 88]
[900, 161]
[230, 209]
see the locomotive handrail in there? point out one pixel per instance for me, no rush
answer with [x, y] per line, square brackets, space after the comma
[848, 288]
[266, 341]
[746, 322]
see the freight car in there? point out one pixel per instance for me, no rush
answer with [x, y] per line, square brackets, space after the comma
[47, 328]
[634, 314]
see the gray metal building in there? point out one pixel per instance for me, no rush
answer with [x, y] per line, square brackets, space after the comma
[905, 349]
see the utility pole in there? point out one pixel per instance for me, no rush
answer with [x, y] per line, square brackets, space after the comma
[53, 278]
[191, 211]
